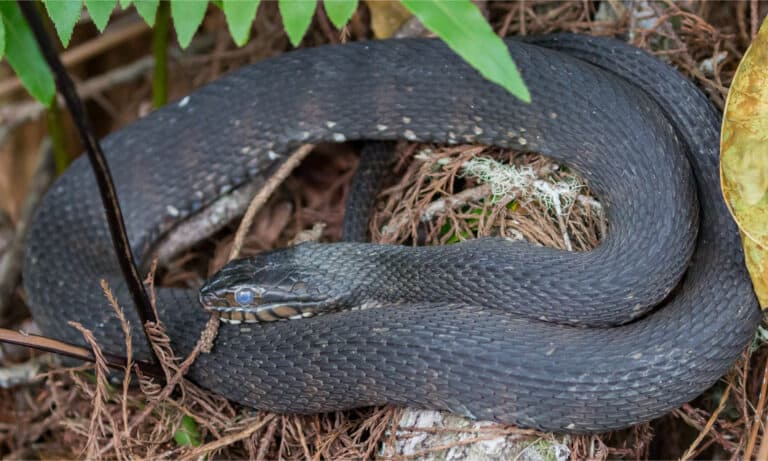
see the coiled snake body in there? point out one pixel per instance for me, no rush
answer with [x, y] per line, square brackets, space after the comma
[489, 328]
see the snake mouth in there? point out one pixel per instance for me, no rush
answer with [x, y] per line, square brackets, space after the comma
[264, 311]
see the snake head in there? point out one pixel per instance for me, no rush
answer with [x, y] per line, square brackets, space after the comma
[266, 288]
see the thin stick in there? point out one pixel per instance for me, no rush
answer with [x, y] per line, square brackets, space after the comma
[758, 415]
[46, 344]
[227, 440]
[99, 164]
[264, 193]
[711, 422]
[439, 206]
[763, 452]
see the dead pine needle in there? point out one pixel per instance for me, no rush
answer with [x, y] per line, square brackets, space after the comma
[211, 447]
[690, 453]
[264, 193]
[96, 430]
[126, 327]
[758, 420]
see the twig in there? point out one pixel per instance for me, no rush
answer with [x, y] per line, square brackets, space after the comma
[46, 344]
[126, 327]
[758, 416]
[173, 374]
[198, 452]
[99, 164]
[762, 454]
[266, 441]
[264, 193]
[439, 206]
[95, 429]
[689, 453]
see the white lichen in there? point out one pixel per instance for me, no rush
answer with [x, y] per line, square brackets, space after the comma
[510, 181]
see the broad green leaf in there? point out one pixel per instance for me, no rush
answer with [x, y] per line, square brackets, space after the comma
[187, 16]
[187, 434]
[240, 15]
[339, 11]
[2, 39]
[100, 10]
[297, 16]
[461, 25]
[744, 158]
[124, 4]
[24, 56]
[64, 14]
[147, 9]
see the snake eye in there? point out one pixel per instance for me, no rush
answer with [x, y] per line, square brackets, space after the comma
[244, 296]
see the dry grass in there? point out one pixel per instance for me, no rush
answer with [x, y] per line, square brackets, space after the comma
[78, 412]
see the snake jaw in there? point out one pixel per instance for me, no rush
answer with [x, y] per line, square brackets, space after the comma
[249, 292]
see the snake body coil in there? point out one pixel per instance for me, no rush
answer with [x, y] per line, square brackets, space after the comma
[489, 328]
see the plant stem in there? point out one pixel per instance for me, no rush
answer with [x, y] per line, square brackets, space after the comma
[55, 122]
[160, 35]
[53, 115]
[100, 169]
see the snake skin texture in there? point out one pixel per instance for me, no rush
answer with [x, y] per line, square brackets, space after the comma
[491, 329]
[376, 160]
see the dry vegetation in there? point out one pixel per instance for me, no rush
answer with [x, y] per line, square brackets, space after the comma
[76, 412]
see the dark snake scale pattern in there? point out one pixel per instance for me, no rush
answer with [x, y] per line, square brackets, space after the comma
[492, 329]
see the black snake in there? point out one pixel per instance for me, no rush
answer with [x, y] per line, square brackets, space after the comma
[490, 328]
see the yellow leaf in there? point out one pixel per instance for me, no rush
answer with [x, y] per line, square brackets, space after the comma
[386, 17]
[757, 265]
[744, 158]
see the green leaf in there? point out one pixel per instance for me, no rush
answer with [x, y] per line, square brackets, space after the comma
[147, 9]
[64, 14]
[339, 11]
[461, 25]
[100, 10]
[124, 4]
[187, 434]
[240, 15]
[187, 16]
[297, 16]
[24, 56]
[2, 39]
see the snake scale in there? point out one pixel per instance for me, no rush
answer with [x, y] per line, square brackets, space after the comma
[490, 328]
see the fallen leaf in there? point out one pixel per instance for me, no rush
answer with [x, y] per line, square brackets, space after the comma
[744, 158]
